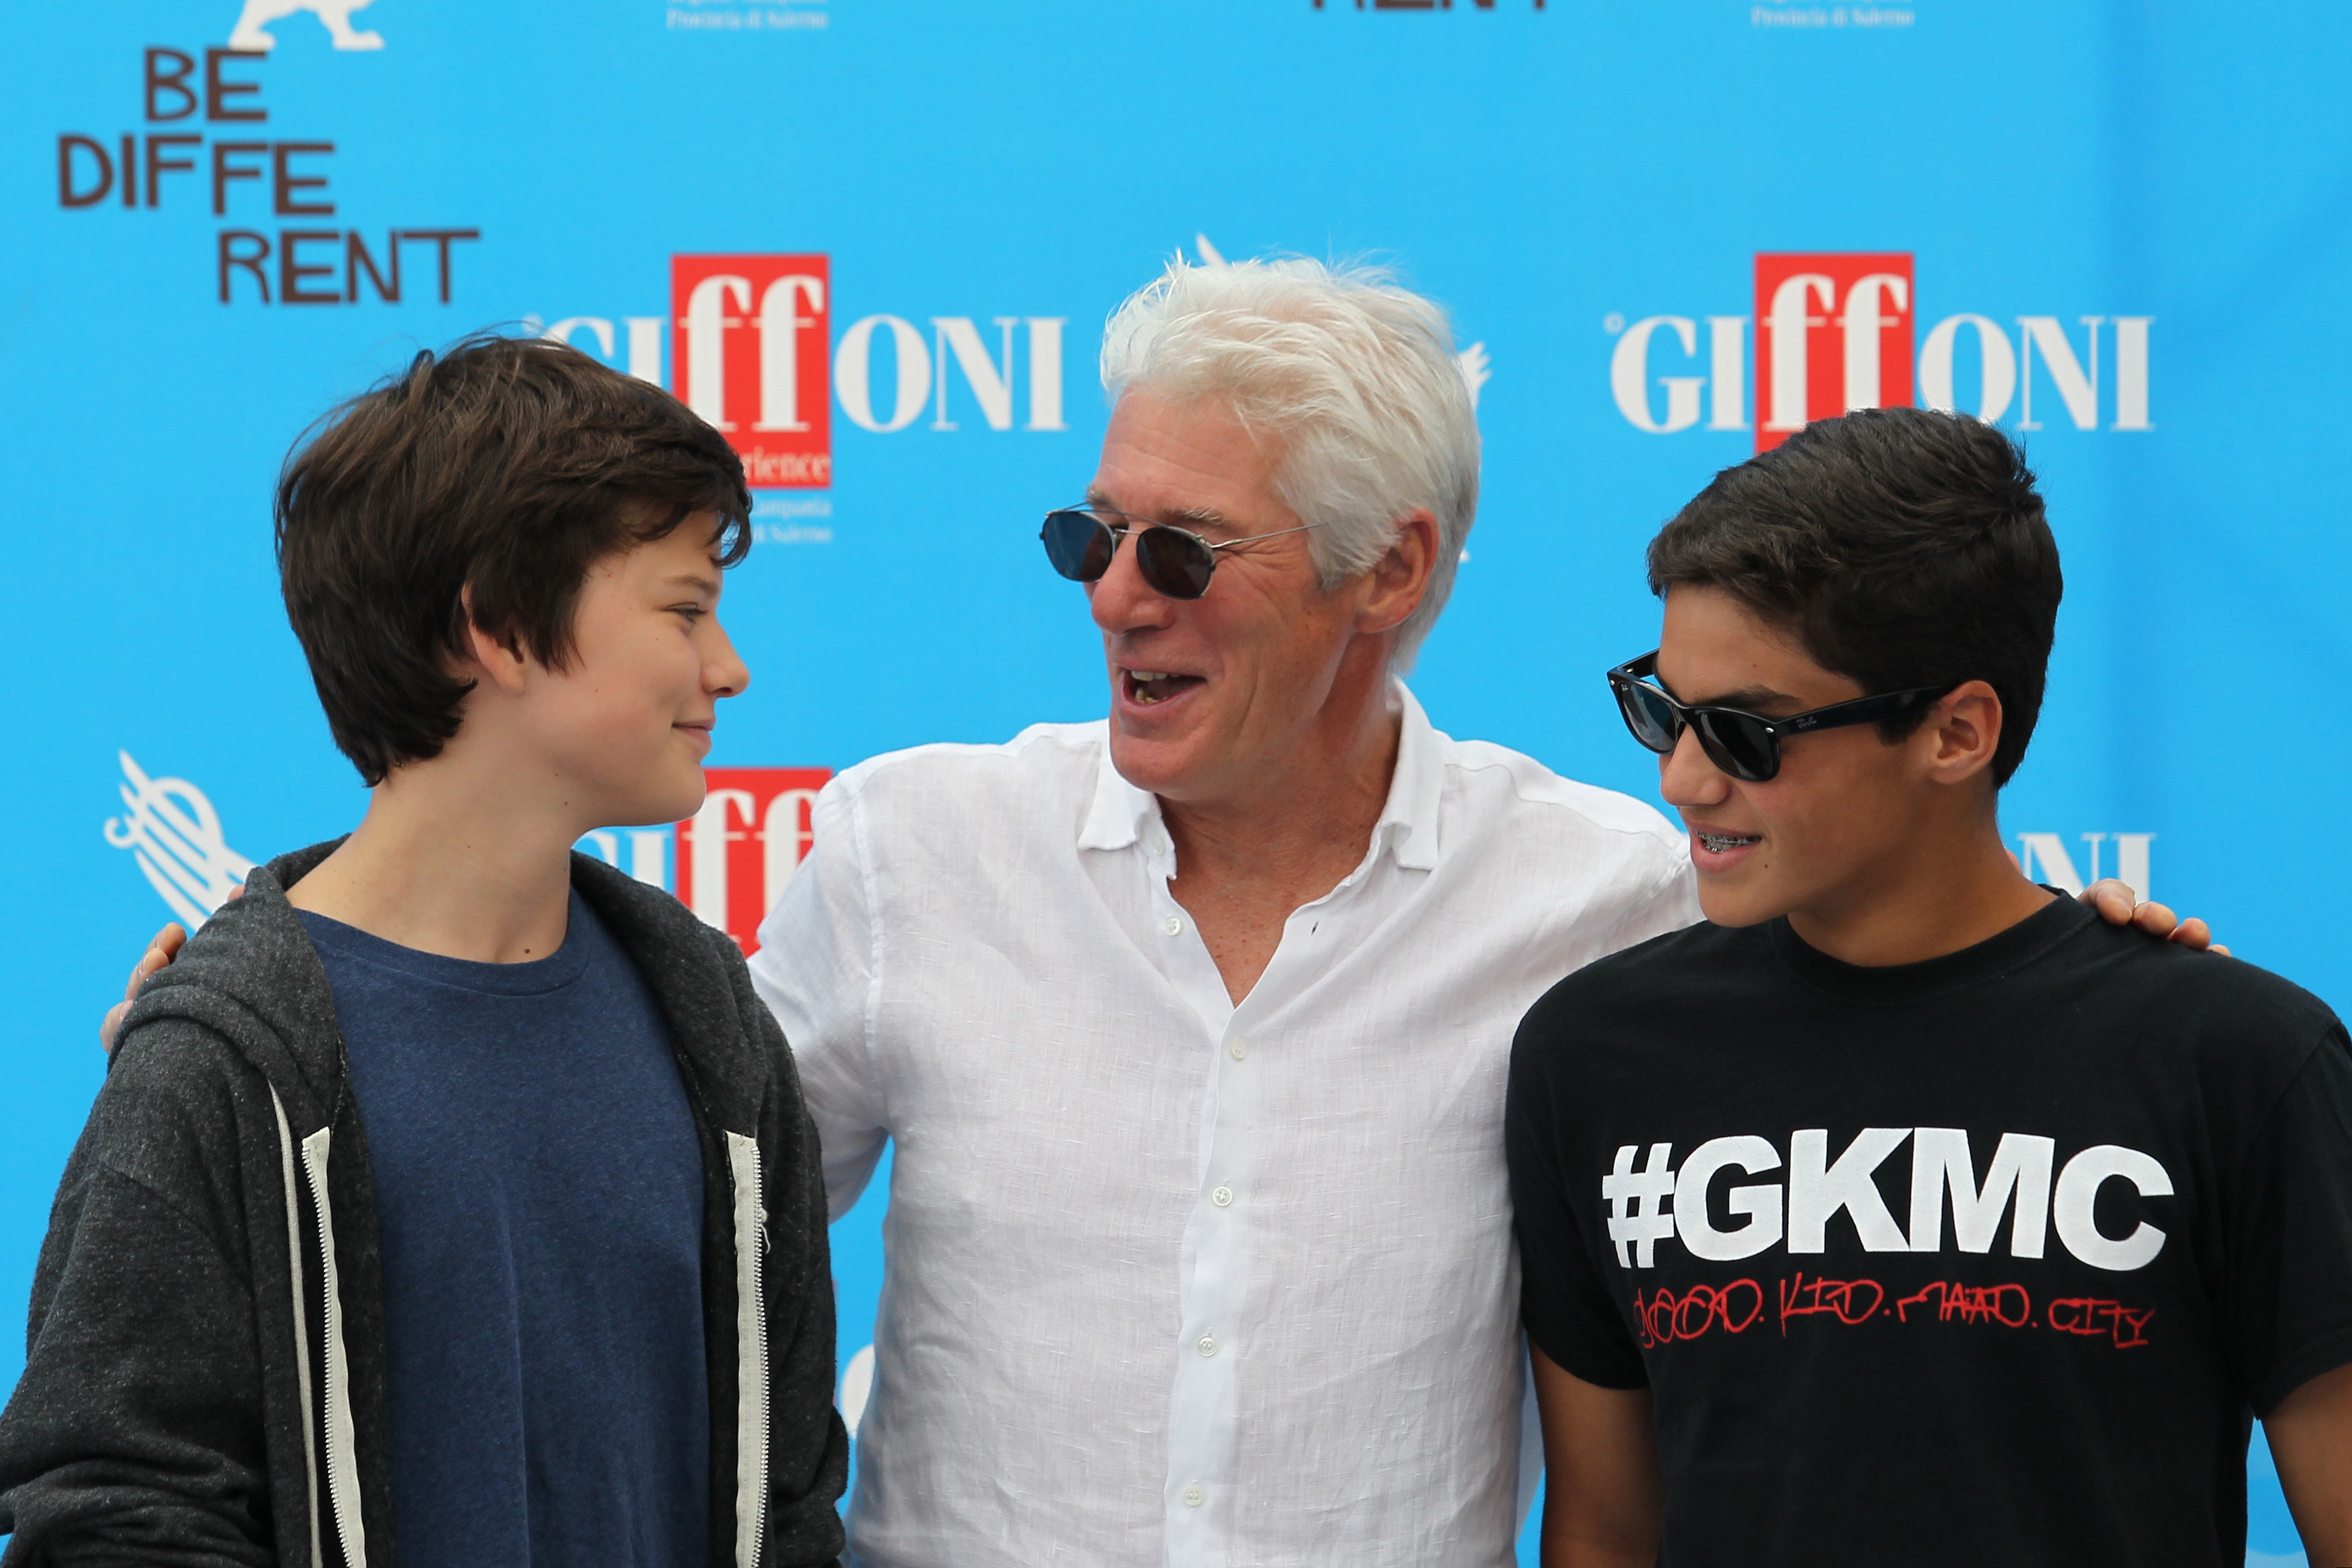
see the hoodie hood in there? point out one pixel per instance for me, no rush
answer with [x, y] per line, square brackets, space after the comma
[250, 974]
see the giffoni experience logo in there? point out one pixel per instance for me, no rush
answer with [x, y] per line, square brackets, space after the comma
[1833, 332]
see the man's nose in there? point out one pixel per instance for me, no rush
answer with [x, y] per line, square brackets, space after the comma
[1122, 601]
[1688, 777]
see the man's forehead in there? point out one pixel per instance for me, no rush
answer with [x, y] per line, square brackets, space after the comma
[1193, 464]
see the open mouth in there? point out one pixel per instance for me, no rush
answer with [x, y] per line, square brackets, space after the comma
[1146, 686]
[1724, 843]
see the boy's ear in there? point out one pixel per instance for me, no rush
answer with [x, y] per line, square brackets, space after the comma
[499, 660]
[1962, 733]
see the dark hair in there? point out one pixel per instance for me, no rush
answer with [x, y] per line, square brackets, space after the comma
[1901, 547]
[504, 469]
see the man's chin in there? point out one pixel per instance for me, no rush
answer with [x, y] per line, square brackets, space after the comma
[1159, 764]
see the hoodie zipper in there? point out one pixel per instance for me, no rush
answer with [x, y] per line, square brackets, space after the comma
[760, 1295]
[294, 1215]
[341, 1464]
[751, 1350]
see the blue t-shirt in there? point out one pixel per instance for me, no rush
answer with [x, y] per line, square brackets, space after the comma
[539, 1202]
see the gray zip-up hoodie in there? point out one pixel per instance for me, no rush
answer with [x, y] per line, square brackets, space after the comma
[205, 1373]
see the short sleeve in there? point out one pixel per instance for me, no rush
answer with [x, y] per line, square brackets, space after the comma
[1564, 1298]
[2287, 1280]
[816, 970]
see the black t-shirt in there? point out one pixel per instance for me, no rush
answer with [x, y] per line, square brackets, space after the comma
[1981, 1260]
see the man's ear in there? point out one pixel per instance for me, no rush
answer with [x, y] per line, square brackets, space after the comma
[499, 660]
[1960, 734]
[1400, 578]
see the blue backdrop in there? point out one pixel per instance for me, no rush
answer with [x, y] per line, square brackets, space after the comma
[2119, 228]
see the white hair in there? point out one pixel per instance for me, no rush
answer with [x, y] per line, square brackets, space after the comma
[1351, 377]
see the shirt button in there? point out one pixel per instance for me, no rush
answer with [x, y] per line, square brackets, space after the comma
[1195, 1497]
[1170, 926]
[1160, 843]
[1238, 1050]
[1207, 1345]
[1222, 1197]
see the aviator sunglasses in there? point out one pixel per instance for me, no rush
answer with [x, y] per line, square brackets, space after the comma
[1744, 745]
[1081, 540]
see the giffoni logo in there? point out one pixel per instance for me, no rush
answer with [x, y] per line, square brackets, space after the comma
[1834, 331]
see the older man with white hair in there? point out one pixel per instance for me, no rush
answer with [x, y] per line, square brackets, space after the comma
[1191, 1026]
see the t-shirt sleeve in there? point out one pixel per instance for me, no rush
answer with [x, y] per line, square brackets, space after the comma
[2287, 1300]
[1564, 1297]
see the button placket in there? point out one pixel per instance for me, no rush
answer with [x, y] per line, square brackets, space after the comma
[1205, 1392]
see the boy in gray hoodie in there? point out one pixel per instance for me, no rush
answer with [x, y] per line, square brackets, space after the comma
[452, 1199]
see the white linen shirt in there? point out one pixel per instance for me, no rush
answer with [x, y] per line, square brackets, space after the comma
[1169, 1280]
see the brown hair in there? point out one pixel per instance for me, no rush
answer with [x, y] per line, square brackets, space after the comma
[1901, 547]
[500, 472]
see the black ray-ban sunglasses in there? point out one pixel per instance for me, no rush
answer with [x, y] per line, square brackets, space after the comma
[1081, 540]
[1744, 745]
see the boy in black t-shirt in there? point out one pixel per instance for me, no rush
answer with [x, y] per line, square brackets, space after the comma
[1905, 1214]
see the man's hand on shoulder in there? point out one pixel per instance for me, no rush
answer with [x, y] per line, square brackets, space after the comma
[2119, 906]
[160, 952]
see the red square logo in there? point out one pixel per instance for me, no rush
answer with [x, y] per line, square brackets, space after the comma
[748, 353]
[1833, 333]
[736, 854]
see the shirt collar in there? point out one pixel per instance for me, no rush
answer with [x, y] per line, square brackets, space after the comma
[1121, 814]
[1416, 793]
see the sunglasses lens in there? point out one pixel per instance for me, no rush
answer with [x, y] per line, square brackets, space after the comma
[1740, 746]
[1174, 563]
[1647, 715]
[1077, 545]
